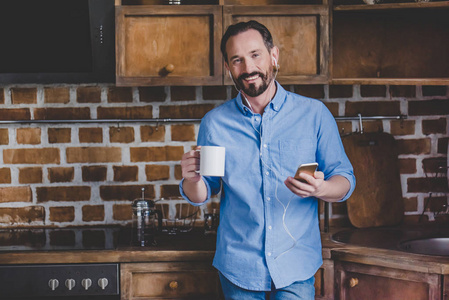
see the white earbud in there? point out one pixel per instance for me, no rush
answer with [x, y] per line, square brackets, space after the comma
[275, 63]
[230, 75]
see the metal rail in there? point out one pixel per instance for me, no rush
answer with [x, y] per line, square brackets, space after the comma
[168, 120]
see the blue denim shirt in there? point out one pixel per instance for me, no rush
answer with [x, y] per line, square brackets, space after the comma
[253, 247]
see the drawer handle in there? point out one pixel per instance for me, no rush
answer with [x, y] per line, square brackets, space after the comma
[173, 285]
[169, 68]
[353, 282]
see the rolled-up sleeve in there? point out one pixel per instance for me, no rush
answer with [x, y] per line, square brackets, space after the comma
[331, 153]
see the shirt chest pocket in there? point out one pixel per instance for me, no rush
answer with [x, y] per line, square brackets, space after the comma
[292, 153]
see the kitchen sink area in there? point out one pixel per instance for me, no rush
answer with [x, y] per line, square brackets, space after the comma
[394, 262]
[429, 246]
[418, 240]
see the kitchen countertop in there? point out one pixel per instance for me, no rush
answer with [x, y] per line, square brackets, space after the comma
[379, 247]
[189, 246]
[196, 246]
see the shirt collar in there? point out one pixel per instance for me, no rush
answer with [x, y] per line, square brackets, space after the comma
[275, 104]
[279, 99]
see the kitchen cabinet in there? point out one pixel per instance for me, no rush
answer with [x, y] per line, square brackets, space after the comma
[390, 43]
[180, 44]
[321, 41]
[193, 280]
[300, 31]
[169, 280]
[362, 281]
[168, 45]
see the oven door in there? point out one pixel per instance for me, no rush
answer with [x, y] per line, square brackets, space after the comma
[71, 281]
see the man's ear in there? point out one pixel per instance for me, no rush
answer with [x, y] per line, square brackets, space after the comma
[229, 71]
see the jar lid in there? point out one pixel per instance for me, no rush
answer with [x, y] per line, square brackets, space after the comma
[143, 204]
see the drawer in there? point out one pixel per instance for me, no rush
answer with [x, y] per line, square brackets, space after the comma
[192, 280]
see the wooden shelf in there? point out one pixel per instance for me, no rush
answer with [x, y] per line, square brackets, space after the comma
[164, 2]
[389, 6]
[390, 81]
[273, 2]
[225, 2]
[394, 46]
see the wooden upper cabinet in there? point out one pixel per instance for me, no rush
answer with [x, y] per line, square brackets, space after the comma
[390, 43]
[168, 45]
[300, 31]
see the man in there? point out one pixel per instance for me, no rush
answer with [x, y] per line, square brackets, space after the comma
[268, 241]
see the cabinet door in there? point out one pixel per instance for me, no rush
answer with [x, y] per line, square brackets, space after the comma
[358, 281]
[192, 280]
[300, 31]
[168, 45]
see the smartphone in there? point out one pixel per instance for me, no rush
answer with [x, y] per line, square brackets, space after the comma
[306, 168]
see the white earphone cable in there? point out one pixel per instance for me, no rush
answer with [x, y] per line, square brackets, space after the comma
[285, 207]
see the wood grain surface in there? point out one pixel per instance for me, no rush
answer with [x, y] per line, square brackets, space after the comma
[377, 198]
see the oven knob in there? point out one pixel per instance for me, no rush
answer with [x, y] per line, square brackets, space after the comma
[70, 284]
[86, 283]
[103, 283]
[53, 284]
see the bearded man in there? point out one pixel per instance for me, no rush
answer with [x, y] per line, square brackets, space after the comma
[268, 240]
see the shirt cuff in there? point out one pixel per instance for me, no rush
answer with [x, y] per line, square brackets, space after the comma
[181, 191]
[351, 180]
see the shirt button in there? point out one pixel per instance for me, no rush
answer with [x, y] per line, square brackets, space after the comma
[267, 173]
[268, 198]
[269, 253]
[269, 227]
[265, 145]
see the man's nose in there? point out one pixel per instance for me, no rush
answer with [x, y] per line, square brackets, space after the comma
[249, 66]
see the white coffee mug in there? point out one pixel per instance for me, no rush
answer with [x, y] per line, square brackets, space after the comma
[212, 161]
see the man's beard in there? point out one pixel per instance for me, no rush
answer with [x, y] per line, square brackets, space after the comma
[252, 90]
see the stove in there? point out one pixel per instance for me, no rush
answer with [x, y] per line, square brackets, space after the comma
[54, 281]
[48, 239]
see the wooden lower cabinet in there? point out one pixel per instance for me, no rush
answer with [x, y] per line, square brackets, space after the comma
[446, 287]
[193, 280]
[324, 281]
[169, 280]
[359, 281]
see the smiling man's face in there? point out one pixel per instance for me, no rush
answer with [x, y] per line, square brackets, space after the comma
[250, 62]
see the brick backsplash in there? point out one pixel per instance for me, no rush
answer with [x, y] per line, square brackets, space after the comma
[59, 174]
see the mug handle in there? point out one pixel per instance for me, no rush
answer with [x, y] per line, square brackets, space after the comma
[198, 150]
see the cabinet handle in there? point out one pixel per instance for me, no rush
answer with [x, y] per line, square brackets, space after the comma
[173, 285]
[353, 282]
[169, 68]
